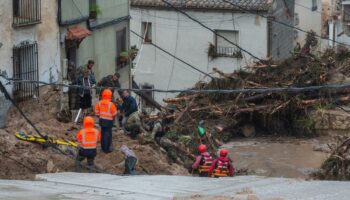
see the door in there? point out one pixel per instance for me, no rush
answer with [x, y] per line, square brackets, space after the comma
[121, 46]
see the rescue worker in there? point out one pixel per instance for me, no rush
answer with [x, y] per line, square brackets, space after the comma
[160, 127]
[129, 106]
[88, 67]
[106, 111]
[88, 139]
[109, 81]
[221, 167]
[203, 161]
[130, 160]
[134, 126]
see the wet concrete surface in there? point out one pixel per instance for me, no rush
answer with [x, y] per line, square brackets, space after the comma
[287, 157]
[102, 186]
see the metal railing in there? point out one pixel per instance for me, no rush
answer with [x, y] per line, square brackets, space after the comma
[25, 66]
[26, 12]
[228, 52]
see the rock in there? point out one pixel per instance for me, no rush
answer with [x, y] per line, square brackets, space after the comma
[248, 130]
[50, 167]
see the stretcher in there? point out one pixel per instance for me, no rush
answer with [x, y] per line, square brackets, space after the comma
[41, 140]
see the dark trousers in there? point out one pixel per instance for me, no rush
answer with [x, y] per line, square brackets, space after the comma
[89, 154]
[106, 139]
[130, 163]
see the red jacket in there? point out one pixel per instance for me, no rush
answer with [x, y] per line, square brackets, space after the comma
[214, 165]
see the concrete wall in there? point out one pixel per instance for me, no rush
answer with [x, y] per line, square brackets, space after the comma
[46, 34]
[190, 42]
[74, 9]
[112, 9]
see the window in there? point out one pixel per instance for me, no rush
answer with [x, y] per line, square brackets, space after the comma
[25, 66]
[223, 47]
[346, 13]
[26, 12]
[147, 32]
[314, 5]
[145, 104]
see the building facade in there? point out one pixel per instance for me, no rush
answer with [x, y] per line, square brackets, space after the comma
[29, 47]
[311, 15]
[160, 24]
[95, 30]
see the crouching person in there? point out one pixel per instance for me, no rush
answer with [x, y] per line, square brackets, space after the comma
[221, 167]
[88, 138]
[130, 160]
[203, 161]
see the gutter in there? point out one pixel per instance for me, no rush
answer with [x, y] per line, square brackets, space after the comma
[201, 9]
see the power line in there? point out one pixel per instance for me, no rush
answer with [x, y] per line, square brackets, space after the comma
[282, 23]
[170, 54]
[218, 35]
[275, 90]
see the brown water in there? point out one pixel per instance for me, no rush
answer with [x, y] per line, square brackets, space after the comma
[290, 158]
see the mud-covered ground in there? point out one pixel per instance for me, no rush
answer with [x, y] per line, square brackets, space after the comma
[22, 160]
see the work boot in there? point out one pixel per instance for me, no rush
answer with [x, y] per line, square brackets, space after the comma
[92, 168]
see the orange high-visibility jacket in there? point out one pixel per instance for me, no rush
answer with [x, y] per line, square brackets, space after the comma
[105, 109]
[89, 136]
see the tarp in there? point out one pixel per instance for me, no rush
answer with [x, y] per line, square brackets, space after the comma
[77, 33]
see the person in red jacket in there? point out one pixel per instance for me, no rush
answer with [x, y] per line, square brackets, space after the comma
[221, 167]
[203, 161]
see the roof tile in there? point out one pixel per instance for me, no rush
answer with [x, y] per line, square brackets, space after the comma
[257, 5]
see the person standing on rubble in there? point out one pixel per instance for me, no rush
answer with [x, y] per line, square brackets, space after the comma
[86, 81]
[88, 67]
[111, 81]
[106, 111]
[221, 167]
[203, 161]
[87, 138]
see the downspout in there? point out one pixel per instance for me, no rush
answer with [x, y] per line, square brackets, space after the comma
[59, 14]
[269, 37]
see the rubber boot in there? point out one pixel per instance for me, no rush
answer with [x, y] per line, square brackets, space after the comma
[77, 166]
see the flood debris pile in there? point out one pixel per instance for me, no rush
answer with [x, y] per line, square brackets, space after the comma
[270, 112]
[337, 166]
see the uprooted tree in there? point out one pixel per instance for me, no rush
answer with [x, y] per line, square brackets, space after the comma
[269, 112]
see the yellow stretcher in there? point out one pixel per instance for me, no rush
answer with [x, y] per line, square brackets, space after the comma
[41, 140]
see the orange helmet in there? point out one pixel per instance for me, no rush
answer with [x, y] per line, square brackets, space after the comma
[202, 148]
[223, 153]
[88, 122]
[107, 94]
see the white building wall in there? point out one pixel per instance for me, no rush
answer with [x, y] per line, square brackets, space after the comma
[309, 20]
[189, 41]
[46, 34]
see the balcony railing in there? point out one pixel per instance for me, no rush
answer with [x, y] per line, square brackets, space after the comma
[228, 52]
[26, 12]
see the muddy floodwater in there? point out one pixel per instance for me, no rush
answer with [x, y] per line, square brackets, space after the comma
[286, 157]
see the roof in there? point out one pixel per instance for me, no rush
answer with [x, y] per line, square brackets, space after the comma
[77, 33]
[256, 5]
